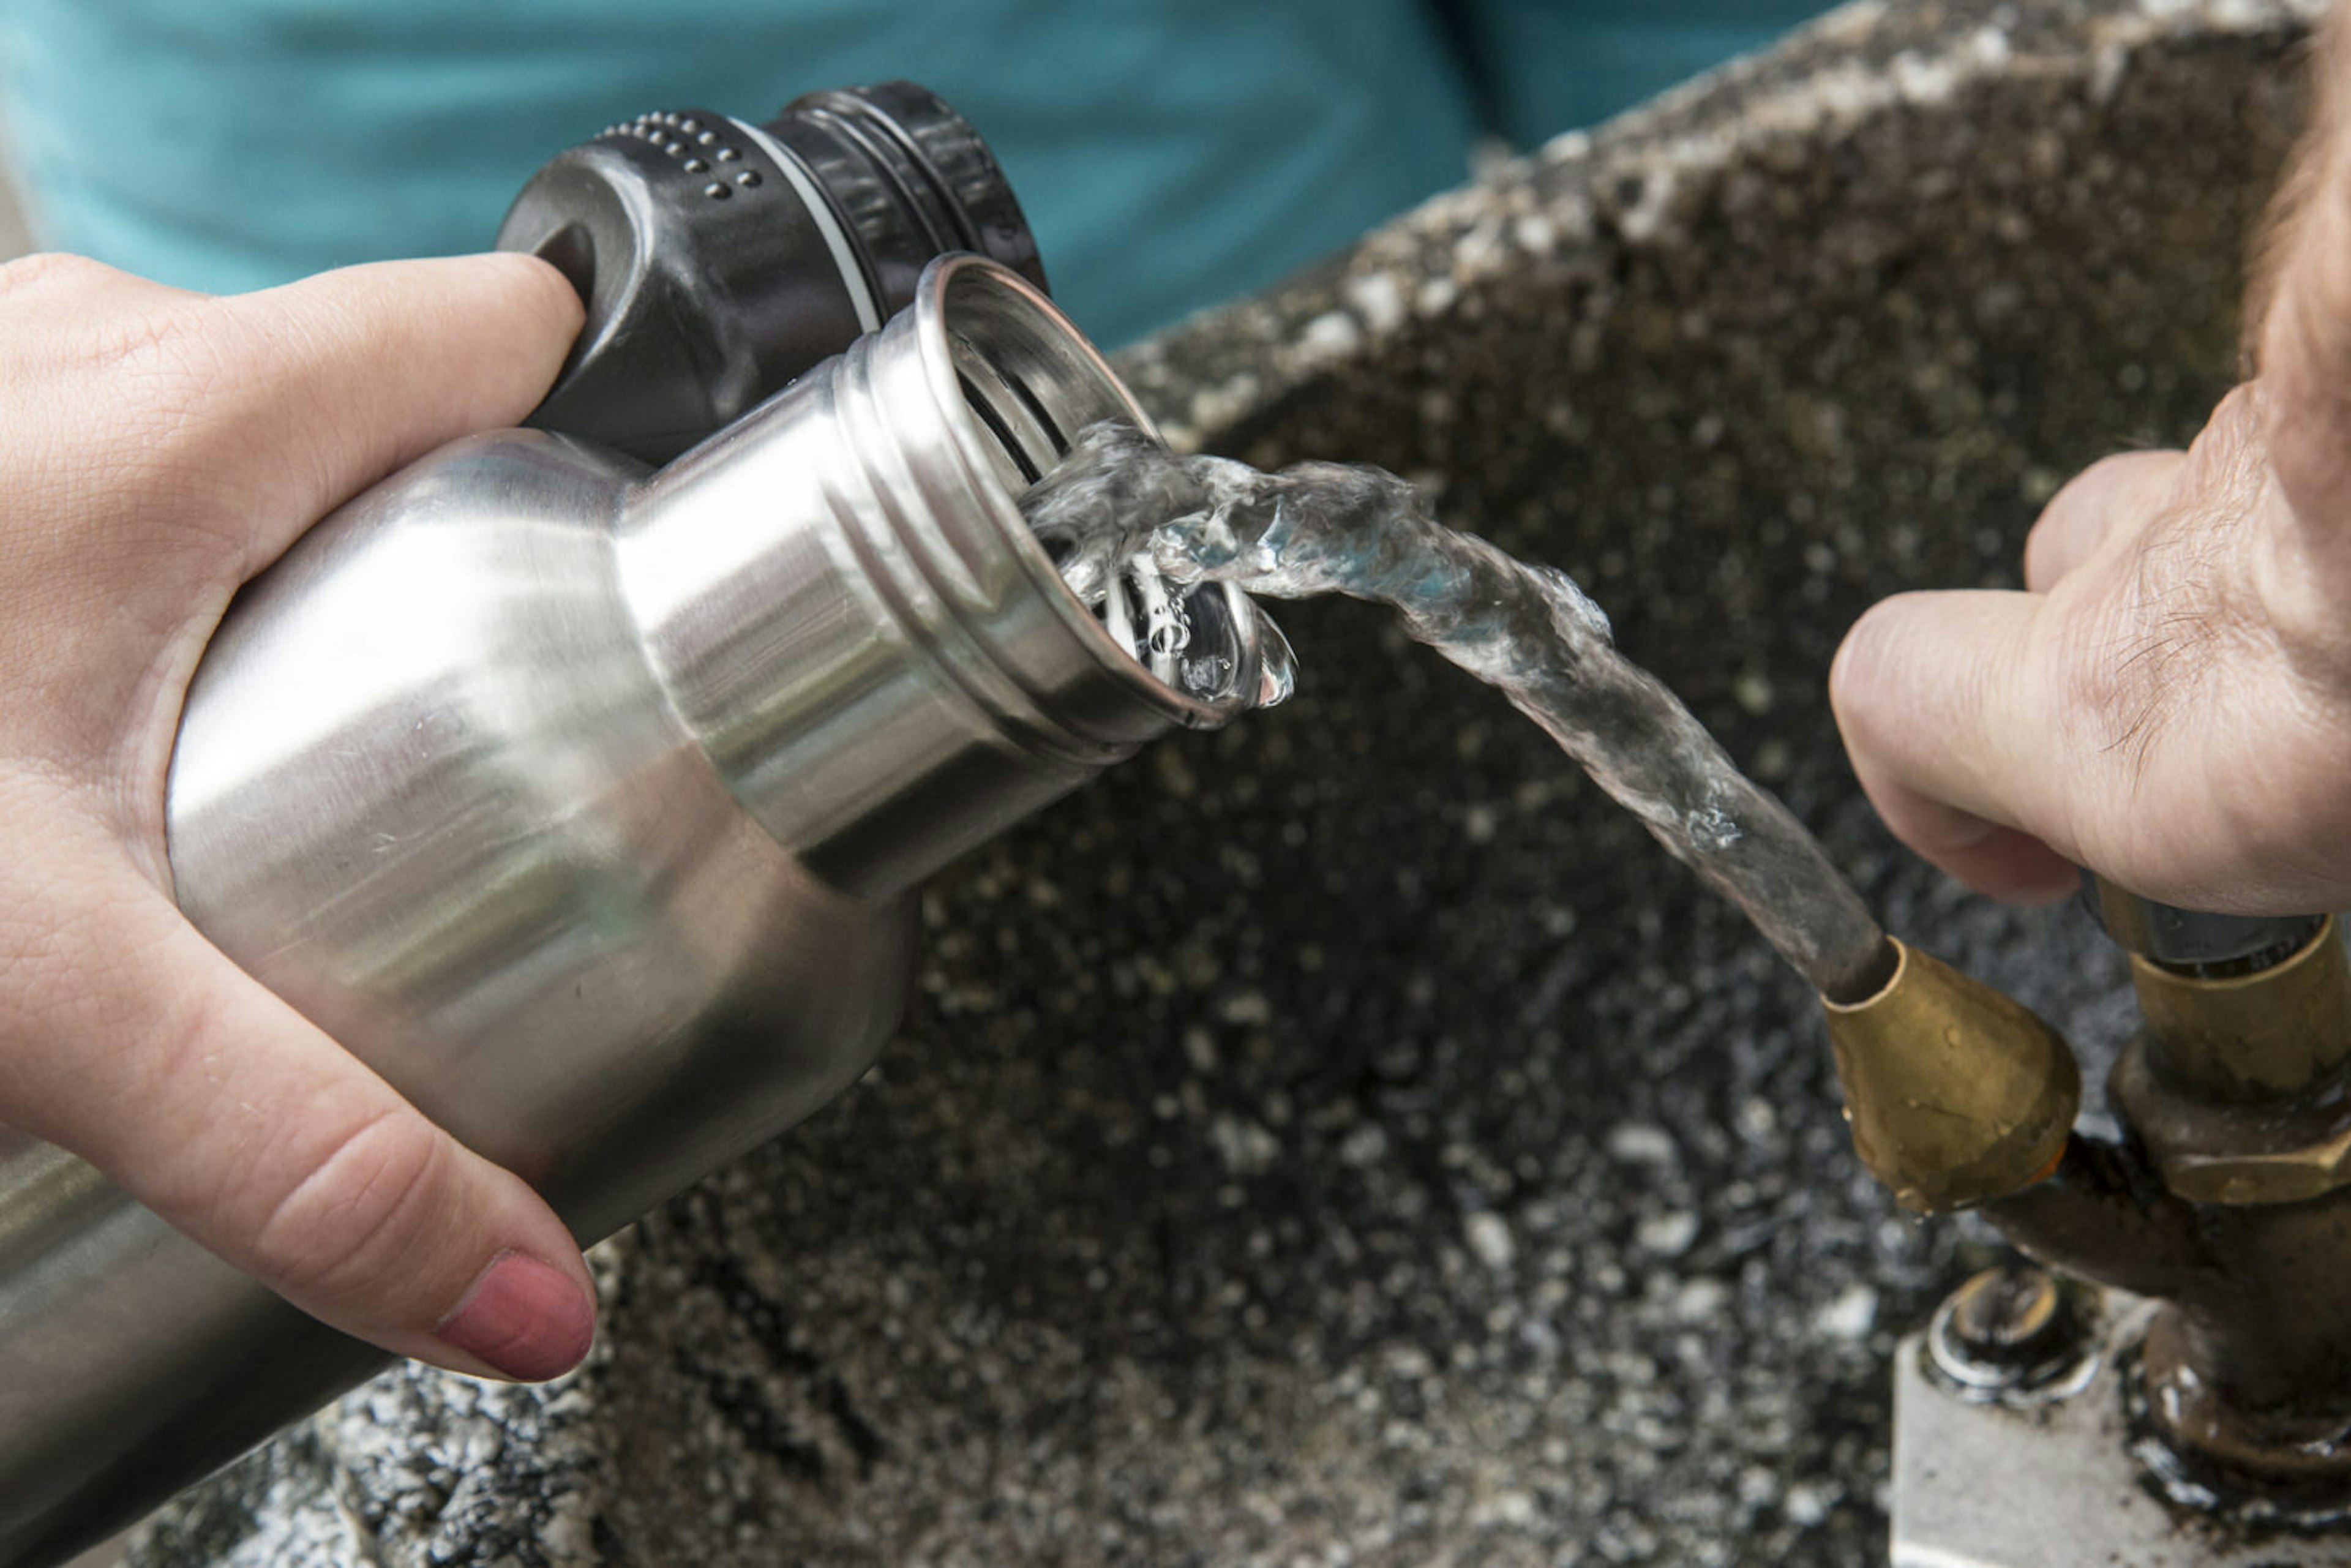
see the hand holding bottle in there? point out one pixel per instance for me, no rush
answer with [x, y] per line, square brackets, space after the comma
[160, 449]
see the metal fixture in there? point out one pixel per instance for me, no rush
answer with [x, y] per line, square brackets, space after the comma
[2055, 1482]
[2193, 941]
[2012, 1334]
[2209, 1414]
[585, 804]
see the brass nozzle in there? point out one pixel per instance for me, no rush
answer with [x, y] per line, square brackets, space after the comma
[1957, 1094]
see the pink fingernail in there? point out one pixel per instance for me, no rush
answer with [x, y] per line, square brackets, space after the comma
[529, 1320]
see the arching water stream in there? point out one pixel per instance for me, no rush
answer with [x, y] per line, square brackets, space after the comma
[1121, 514]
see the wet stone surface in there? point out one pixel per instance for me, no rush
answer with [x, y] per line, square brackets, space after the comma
[1346, 1139]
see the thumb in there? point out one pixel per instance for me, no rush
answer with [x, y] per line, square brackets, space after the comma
[1930, 695]
[135, 1043]
[349, 375]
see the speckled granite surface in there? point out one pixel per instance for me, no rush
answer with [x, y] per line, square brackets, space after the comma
[1345, 1140]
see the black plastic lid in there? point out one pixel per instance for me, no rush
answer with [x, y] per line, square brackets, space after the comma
[719, 261]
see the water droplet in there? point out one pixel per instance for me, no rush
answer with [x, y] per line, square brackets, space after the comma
[1276, 666]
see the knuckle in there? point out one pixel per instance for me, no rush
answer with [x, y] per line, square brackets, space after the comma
[180, 385]
[164, 363]
[2079, 494]
[56, 270]
[159, 368]
[362, 1214]
[2230, 454]
[2239, 411]
[2107, 472]
[118, 326]
[2092, 504]
[2044, 552]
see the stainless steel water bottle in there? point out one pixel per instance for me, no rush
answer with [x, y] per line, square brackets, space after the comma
[585, 802]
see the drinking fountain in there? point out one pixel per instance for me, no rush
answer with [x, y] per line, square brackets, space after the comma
[1344, 1137]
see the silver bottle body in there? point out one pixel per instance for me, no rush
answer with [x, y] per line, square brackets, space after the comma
[586, 805]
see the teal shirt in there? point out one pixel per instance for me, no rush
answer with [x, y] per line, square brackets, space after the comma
[1169, 152]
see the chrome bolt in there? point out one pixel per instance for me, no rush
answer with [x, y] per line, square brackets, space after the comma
[2010, 1331]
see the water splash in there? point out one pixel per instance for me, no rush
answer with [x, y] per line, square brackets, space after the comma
[1122, 505]
[1095, 514]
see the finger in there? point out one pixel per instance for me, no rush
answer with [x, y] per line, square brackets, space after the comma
[2111, 498]
[1929, 694]
[1998, 861]
[133, 1042]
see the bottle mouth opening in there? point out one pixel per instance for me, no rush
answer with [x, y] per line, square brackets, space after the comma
[1029, 382]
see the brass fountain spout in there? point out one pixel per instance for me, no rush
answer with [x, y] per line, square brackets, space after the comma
[1955, 1093]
